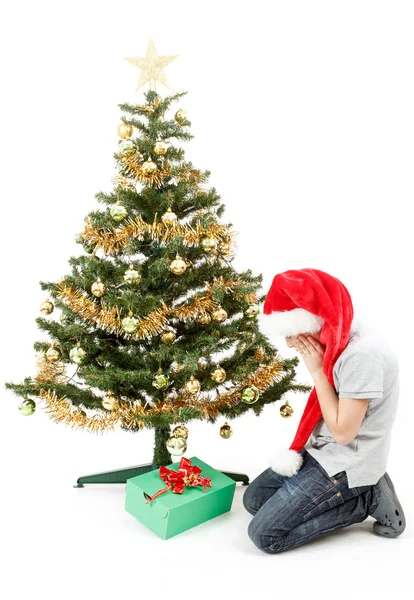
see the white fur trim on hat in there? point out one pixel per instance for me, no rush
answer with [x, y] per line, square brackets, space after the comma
[290, 322]
[286, 462]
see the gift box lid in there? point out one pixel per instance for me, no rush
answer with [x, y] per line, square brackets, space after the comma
[151, 482]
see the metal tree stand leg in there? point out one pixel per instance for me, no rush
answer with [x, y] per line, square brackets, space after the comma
[161, 457]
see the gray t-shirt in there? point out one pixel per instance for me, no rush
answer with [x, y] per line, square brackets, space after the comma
[367, 368]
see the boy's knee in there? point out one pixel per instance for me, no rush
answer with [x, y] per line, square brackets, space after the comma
[247, 501]
[263, 542]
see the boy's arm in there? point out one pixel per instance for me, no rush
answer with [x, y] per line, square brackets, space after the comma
[343, 417]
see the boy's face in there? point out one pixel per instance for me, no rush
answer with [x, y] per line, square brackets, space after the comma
[292, 340]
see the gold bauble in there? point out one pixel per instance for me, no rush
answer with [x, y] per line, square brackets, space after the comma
[209, 244]
[98, 288]
[286, 410]
[160, 147]
[226, 431]
[218, 374]
[53, 354]
[224, 247]
[219, 314]
[250, 394]
[131, 275]
[125, 130]
[203, 318]
[109, 401]
[192, 386]
[46, 307]
[180, 116]
[161, 381]
[176, 445]
[178, 265]
[252, 311]
[168, 336]
[169, 217]
[149, 167]
[180, 431]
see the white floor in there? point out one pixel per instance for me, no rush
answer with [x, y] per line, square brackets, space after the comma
[61, 542]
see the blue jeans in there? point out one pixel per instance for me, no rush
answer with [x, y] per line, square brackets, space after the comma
[290, 511]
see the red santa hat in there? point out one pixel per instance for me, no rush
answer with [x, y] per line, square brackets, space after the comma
[307, 301]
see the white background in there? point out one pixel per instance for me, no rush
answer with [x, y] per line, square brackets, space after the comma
[303, 113]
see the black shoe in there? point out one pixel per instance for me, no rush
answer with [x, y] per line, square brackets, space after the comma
[389, 513]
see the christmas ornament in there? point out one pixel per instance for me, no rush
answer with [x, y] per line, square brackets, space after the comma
[161, 381]
[46, 307]
[203, 318]
[168, 336]
[109, 401]
[224, 248]
[125, 130]
[53, 354]
[192, 386]
[250, 394]
[126, 147]
[27, 407]
[118, 211]
[286, 410]
[131, 275]
[218, 374]
[149, 167]
[226, 431]
[98, 288]
[169, 217]
[180, 116]
[77, 354]
[209, 244]
[219, 314]
[176, 445]
[130, 324]
[252, 311]
[152, 66]
[180, 431]
[160, 147]
[178, 265]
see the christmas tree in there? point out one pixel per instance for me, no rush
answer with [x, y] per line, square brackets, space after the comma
[155, 328]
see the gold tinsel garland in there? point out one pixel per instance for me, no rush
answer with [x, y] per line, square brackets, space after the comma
[110, 319]
[113, 240]
[130, 416]
[132, 165]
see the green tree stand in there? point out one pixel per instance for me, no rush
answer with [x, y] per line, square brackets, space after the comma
[161, 457]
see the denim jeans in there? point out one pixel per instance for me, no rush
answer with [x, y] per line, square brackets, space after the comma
[290, 511]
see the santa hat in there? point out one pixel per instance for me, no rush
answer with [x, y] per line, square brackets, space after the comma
[307, 301]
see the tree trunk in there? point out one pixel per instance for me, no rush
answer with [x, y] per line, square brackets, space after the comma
[161, 454]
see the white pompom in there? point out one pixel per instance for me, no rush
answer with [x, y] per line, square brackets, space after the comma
[286, 462]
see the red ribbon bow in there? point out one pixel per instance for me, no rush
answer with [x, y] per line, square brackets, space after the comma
[186, 475]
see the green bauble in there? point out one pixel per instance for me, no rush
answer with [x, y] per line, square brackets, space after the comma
[27, 407]
[250, 394]
[118, 212]
[126, 147]
[161, 381]
[176, 445]
[132, 276]
[77, 354]
[130, 324]
[252, 311]
[209, 244]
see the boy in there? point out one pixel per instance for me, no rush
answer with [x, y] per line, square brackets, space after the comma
[339, 478]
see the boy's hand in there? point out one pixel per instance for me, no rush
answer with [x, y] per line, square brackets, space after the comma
[312, 353]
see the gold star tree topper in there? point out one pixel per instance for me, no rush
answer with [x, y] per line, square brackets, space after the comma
[152, 67]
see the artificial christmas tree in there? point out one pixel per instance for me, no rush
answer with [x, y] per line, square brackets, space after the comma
[156, 328]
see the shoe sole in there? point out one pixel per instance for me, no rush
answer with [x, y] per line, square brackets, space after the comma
[390, 530]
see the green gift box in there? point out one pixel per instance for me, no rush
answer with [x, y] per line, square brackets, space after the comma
[170, 513]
